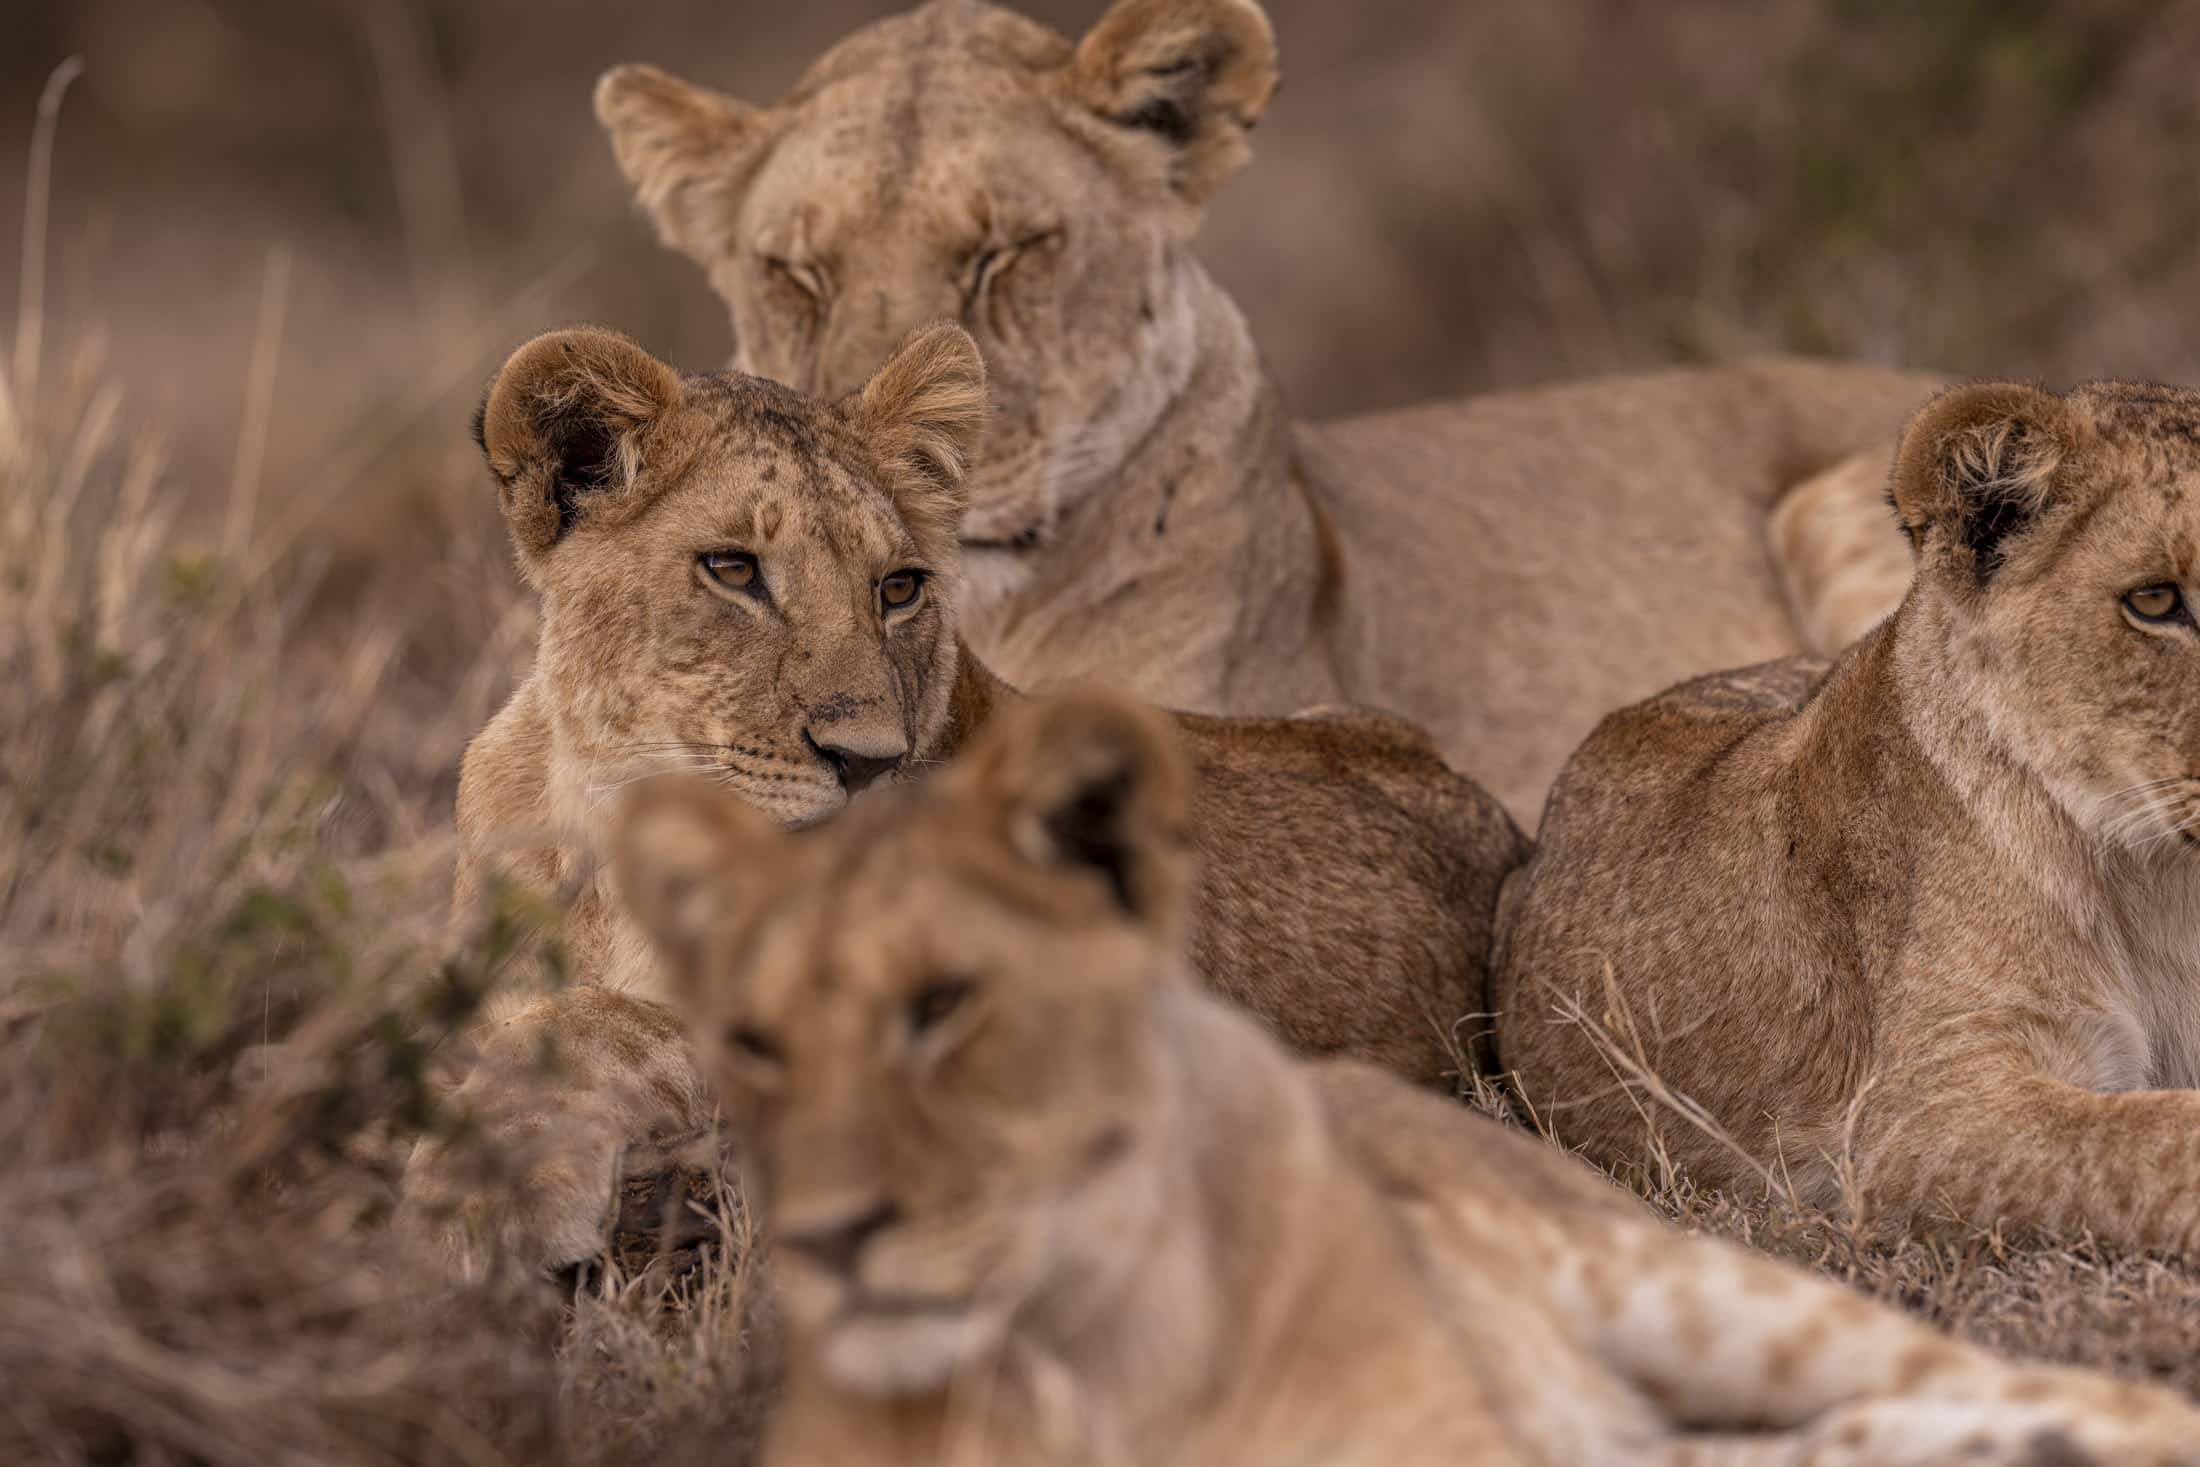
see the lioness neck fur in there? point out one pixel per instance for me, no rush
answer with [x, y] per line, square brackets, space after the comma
[1350, 877]
[1036, 1198]
[1934, 920]
[1502, 571]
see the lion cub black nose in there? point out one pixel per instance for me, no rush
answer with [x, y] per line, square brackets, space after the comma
[853, 770]
[837, 1245]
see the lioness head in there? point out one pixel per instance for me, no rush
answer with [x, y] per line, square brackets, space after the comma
[931, 1022]
[2058, 544]
[960, 161]
[736, 579]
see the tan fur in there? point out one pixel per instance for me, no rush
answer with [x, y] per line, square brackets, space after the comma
[1931, 923]
[1833, 564]
[1502, 571]
[1350, 877]
[1036, 1199]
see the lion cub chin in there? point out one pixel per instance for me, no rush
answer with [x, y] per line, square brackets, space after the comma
[1036, 1197]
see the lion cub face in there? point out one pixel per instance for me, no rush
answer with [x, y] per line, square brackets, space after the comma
[930, 1022]
[2059, 555]
[737, 580]
[960, 161]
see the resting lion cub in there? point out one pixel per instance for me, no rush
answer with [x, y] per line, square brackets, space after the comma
[741, 581]
[1504, 570]
[1942, 908]
[1037, 1199]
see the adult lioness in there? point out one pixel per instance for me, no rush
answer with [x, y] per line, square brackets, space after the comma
[1036, 1199]
[1503, 571]
[1938, 915]
[742, 580]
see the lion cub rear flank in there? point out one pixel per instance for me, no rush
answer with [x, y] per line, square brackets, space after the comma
[1037, 1198]
[1931, 919]
[744, 582]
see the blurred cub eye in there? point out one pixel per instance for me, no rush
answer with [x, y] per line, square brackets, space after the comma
[936, 1002]
[2155, 603]
[732, 569]
[753, 1044]
[900, 588]
[804, 277]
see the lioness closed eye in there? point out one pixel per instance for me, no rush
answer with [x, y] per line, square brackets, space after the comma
[1038, 1199]
[1954, 885]
[1146, 513]
[744, 582]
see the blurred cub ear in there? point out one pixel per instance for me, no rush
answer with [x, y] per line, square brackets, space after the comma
[571, 423]
[686, 149]
[1191, 76]
[924, 414]
[1978, 464]
[685, 852]
[1097, 787]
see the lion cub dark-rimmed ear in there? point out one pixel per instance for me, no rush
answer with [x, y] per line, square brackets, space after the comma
[685, 148]
[682, 851]
[923, 414]
[1095, 786]
[572, 421]
[1192, 75]
[1978, 464]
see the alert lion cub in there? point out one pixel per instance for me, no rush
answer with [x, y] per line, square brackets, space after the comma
[1504, 570]
[744, 582]
[1036, 1198]
[1935, 915]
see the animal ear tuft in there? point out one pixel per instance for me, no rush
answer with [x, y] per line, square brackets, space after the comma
[1097, 785]
[924, 413]
[684, 148]
[679, 848]
[1978, 463]
[568, 425]
[1195, 75]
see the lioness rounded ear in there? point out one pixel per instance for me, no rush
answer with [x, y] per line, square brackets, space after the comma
[568, 424]
[679, 848]
[1195, 75]
[683, 147]
[924, 414]
[1979, 463]
[1096, 784]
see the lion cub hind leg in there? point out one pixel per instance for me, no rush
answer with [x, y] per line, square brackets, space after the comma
[558, 1092]
[1836, 553]
[1725, 1340]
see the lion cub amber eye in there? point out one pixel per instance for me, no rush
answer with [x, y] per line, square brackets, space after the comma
[900, 589]
[729, 568]
[2155, 603]
[935, 1003]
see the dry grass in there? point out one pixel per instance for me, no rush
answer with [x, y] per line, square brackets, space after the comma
[225, 984]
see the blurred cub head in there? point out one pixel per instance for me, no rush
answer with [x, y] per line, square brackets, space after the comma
[737, 580]
[961, 161]
[2058, 542]
[931, 1021]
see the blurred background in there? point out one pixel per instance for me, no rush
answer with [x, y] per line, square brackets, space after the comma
[1446, 197]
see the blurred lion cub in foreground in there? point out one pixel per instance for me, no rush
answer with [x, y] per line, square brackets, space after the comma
[1036, 1197]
